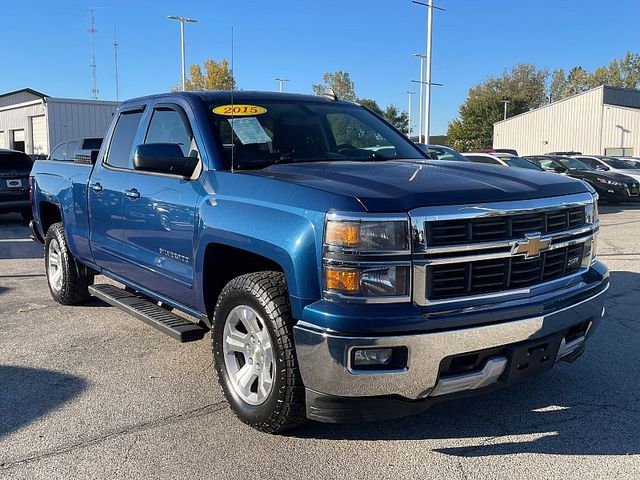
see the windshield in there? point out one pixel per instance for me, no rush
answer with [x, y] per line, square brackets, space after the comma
[575, 164]
[518, 162]
[445, 153]
[15, 161]
[547, 163]
[267, 133]
[617, 163]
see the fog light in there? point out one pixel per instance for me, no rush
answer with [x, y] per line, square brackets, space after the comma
[372, 356]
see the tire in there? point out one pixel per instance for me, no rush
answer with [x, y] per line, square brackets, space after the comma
[66, 284]
[261, 299]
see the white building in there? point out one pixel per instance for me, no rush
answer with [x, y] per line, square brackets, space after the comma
[600, 121]
[35, 123]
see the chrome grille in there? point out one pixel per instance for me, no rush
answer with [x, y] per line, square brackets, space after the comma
[499, 250]
[464, 231]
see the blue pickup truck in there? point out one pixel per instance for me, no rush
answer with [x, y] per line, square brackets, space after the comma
[344, 276]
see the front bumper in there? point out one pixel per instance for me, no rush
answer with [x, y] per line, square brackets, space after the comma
[324, 359]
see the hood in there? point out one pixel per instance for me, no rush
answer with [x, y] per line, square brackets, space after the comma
[634, 174]
[403, 185]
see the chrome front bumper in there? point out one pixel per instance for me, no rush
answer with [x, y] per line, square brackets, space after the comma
[324, 356]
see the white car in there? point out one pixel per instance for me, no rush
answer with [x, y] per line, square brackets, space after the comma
[504, 159]
[613, 164]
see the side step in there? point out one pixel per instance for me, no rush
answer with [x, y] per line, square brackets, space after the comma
[150, 313]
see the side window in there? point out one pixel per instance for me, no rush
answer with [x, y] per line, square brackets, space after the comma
[122, 141]
[58, 152]
[169, 126]
[590, 161]
[72, 148]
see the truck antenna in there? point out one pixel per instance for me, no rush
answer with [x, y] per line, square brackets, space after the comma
[233, 86]
[92, 30]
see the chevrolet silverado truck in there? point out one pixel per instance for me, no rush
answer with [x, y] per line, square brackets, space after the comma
[343, 275]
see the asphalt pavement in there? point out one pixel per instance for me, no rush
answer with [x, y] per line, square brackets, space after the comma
[90, 392]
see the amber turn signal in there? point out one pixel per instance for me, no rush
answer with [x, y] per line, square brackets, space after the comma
[342, 280]
[342, 233]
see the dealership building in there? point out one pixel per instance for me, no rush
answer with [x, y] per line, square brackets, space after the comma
[35, 123]
[601, 121]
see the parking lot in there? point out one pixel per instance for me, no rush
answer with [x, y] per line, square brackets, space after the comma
[90, 392]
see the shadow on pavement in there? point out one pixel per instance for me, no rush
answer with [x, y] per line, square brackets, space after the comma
[26, 394]
[14, 239]
[605, 208]
[591, 407]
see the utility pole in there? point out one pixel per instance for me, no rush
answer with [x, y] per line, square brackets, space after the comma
[182, 21]
[281, 80]
[410, 94]
[421, 105]
[92, 30]
[115, 51]
[505, 108]
[427, 100]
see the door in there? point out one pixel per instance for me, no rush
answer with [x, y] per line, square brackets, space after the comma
[160, 215]
[106, 195]
[39, 141]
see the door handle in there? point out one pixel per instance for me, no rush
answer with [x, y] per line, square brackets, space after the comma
[96, 187]
[133, 193]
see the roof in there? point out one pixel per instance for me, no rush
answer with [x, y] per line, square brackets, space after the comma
[24, 90]
[239, 96]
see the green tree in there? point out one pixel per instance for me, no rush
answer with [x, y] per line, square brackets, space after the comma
[557, 85]
[340, 82]
[523, 87]
[216, 76]
[578, 81]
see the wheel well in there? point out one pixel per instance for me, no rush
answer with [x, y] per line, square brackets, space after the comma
[223, 263]
[49, 214]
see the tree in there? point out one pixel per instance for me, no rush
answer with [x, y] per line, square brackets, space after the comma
[523, 87]
[578, 81]
[217, 76]
[557, 85]
[340, 82]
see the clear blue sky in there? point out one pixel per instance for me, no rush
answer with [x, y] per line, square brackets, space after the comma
[46, 46]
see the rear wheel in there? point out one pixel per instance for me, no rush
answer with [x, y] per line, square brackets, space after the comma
[254, 353]
[66, 284]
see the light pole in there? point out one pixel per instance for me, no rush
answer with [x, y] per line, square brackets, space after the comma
[281, 80]
[182, 20]
[505, 108]
[410, 94]
[422, 84]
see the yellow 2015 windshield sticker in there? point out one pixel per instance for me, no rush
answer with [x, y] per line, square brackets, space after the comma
[238, 110]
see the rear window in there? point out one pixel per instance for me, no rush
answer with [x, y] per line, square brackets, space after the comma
[15, 161]
[91, 144]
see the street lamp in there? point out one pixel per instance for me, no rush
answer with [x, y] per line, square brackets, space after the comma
[505, 108]
[281, 80]
[422, 58]
[410, 94]
[182, 20]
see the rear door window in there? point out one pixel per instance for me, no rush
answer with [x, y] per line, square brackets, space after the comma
[120, 151]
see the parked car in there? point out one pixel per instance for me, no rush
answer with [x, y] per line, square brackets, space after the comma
[611, 186]
[84, 150]
[549, 163]
[441, 152]
[510, 151]
[564, 154]
[15, 167]
[613, 164]
[504, 159]
[339, 283]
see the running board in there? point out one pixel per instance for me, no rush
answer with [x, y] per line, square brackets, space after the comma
[150, 313]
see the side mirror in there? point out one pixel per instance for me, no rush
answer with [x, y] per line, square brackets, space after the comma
[560, 169]
[163, 158]
[602, 168]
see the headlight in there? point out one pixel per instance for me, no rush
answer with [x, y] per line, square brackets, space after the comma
[591, 212]
[367, 280]
[366, 257]
[366, 235]
[606, 181]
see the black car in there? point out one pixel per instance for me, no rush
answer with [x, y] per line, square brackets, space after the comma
[15, 168]
[612, 187]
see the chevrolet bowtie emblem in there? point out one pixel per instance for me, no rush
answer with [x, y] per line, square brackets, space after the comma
[531, 246]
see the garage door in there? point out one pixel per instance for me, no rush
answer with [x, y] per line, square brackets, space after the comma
[39, 135]
[3, 142]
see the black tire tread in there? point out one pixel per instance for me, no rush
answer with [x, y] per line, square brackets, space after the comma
[269, 288]
[75, 287]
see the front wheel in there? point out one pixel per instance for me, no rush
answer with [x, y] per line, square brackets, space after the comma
[66, 284]
[254, 353]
